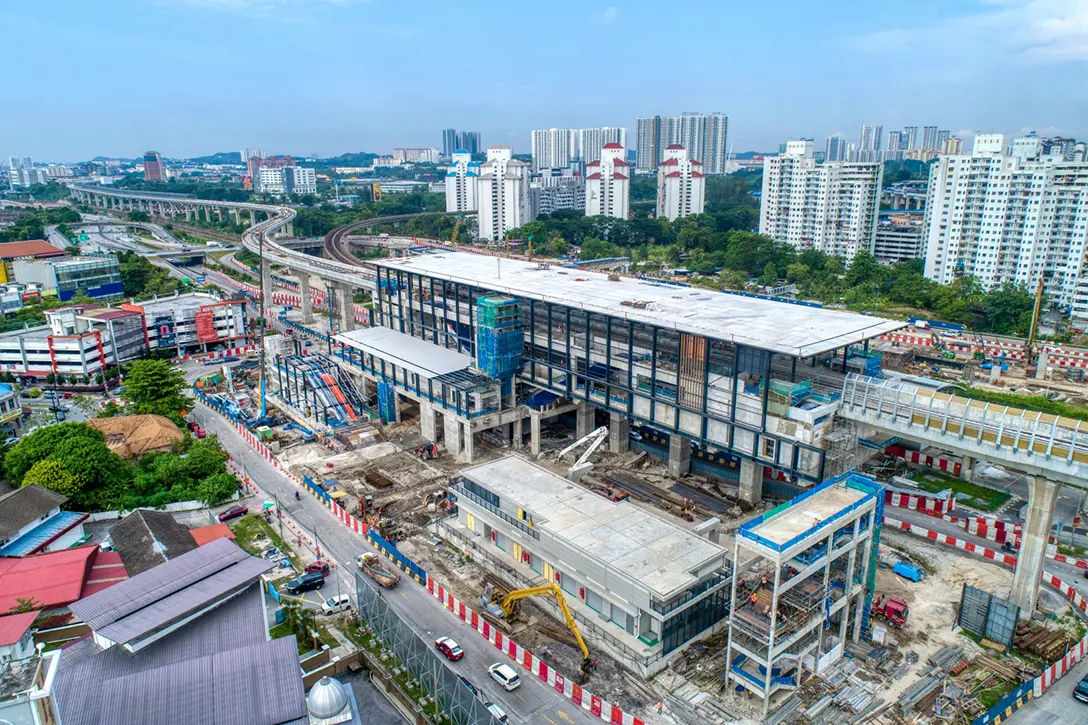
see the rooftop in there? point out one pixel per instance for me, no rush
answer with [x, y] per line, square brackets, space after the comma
[14, 626]
[25, 506]
[183, 303]
[791, 329]
[41, 535]
[146, 538]
[638, 545]
[419, 356]
[55, 579]
[207, 534]
[33, 248]
[131, 436]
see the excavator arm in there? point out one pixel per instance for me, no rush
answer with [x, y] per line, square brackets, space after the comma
[553, 589]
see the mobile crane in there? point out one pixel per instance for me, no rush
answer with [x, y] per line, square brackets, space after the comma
[510, 601]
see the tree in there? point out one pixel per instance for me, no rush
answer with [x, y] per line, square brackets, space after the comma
[24, 604]
[216, 489]
[136, 215]
[770, 275]
[55, 476]
[155, 386]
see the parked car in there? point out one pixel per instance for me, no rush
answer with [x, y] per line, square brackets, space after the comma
[496, 712]
[305, 583]
[339, 603]
[232, 513]
[471, 687]
[449, 648]
[1081, 690]
[505, 675]
[321, 567]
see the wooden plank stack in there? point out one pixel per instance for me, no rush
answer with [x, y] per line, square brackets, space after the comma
[1047, 644]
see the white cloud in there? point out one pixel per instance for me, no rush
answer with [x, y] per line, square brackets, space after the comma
[1028, 30]
[609, 15]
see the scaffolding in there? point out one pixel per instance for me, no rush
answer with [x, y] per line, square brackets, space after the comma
[500, 338]
[805, 586]
[318, 388]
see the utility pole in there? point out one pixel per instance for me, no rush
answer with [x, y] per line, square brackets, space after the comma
[279, 517]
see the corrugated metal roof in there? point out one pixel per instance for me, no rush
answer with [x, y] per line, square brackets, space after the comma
[14, 626]
[26, 505]
[419, 356]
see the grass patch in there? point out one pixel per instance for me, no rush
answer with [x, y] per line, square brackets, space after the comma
[992, 695]
[246, 534]
[1028, 402]
[1077, 551]
[972, 494]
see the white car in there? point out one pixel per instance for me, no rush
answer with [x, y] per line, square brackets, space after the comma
[339, 603]
[496, 712]
[504, 675]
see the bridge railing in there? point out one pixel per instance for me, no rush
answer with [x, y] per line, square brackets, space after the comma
[984, 424]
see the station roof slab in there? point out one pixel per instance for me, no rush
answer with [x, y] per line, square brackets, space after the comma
[637, 545]
[420, 356]
[796, 330]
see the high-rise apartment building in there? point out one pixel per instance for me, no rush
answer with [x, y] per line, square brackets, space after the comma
[22, 172]
[416, 155]
[454, 140]
[930, 141]
[592, 140]
[910, 138]
[20, 162]
[951, 146]
[681, 186]
[835, 148]
[287, 180]
[553, 148]
[257, 164]
[502, 194]
[1006, 218]
[648, 146]
[248, 154]
[831, 206]
[462, 177]
[608, 183]
[896, 144]
[942, 140]
[704, 135]
[869, 146]
[153, 167]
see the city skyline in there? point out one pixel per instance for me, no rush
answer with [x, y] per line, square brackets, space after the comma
[975, 67]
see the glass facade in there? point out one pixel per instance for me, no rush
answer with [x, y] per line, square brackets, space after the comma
[98, 278]
[696, 619]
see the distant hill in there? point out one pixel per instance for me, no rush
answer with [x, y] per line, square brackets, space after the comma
[355, 158]
[223, 157]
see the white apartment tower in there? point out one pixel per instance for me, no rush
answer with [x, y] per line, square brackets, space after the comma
[608, 183]
[554, 147]
[1005, 213]
[503, 194]
[462, 177]
[831, 206]
[681, 185]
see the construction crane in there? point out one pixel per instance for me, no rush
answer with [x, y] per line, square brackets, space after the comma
[1029, 346]
[511, 599]
[456, 229]
[595, 439]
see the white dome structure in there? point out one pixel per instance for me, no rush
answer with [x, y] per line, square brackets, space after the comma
[328, 702]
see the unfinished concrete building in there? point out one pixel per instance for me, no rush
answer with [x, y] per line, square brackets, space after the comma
[752, 379]
[637, 583]
[803, 584]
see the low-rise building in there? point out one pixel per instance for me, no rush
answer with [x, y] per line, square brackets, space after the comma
[53, 580]
[566, 193]
[29, 250]
[96, 276]
[11, 411]
[653, 585]
[416, 155]
[31, 522]
[133, 436]
[898, 238]
[147, 538]
[85, 339]
[27, 692]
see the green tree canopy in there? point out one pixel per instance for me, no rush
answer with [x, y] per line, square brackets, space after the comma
[155, 386]
[55, 476]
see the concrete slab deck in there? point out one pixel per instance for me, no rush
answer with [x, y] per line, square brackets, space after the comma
[798, 519]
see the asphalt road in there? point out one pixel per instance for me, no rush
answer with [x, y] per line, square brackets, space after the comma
[1057, 705]
[533, 702]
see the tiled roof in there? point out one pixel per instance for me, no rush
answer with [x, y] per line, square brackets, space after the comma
[613, 145]
[131, 436]
[674, 146]
[25, 506]
[669, 162]
[146, 538]
[594, 176]
[208, 534]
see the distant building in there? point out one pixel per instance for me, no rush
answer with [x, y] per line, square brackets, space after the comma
[608, 184]
[462, 177]
[288, 180]
[153, 170]
[835, 149]
[502, 194]
[831, 206]
[648, 146]
[454, 140]
[705, 136]
[248, 154]
[553, 147]
[951, 146]
[870, 145]
[59, 171]
[898, 238]
[592, 140]
[681, 186]
[416, 156]
[255, 164]
[98, 277]
[22, 173]
[551, 194]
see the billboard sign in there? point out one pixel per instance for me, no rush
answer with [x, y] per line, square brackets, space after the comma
[165, 326]
[205, 325]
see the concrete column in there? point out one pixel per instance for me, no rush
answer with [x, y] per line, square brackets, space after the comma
[347, 313]
[679, 455]
[586, 418]
[452, 435]
[1042, 495]
[466, 451]
[427, 421]
[188, 213]
[751, 481]
[219, 213]
[519, 434]
[252, 217]
[208, 214]
[305, 298]
[965, 468]
[534, 434]
[235, 216]
[290, 229]
[619, 428]
[266, 284]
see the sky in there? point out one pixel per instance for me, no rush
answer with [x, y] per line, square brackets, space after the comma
[323, 77]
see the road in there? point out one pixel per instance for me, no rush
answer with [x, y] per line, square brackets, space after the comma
[533, 702]
[1057, 705]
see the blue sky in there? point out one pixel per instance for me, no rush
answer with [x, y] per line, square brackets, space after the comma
[187, 77]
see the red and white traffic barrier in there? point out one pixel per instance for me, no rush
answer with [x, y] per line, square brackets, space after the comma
[999, 557]
[948, 465]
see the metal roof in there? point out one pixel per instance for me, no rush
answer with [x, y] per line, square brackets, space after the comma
[419, 356]
[791, 329]
[25, 506]
[148, 602]
[146, 539]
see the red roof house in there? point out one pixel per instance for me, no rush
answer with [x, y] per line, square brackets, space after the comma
[35, 248]
[58, 578]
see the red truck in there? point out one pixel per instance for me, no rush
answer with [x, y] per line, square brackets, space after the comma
[892, 609]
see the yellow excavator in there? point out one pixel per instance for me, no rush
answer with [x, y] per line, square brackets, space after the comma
[510, 601]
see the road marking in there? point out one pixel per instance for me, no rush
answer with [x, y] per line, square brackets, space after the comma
[564, 717]
[553, 722]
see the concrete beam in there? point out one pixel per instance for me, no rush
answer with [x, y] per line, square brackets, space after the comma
[1042, 495]
[679, 455]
